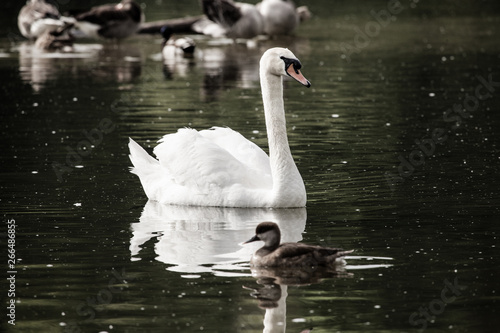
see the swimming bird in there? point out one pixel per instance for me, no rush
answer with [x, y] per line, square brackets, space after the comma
[218, 166]
[281, 17]
[179, 46]
[37, 17]
[116, 21]
[274, 254]
[233, 19]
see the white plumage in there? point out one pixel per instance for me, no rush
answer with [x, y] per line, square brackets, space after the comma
[279, 16]
[218, 166]
[38, 17]
[231, 19]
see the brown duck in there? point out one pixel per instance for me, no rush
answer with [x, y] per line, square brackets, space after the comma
[274, 254]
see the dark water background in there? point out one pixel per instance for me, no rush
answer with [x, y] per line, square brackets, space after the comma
[93, 256]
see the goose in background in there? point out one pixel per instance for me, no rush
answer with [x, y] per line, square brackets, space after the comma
[281, 17]
[232, 19]
[113, 21]
[274, 254]
[183, 25]
[37, 17]
[173, 47]
[218, 166]
[304, 13]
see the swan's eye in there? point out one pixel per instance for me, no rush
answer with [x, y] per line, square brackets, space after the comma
[295, 62]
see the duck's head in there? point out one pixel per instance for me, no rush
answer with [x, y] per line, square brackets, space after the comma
[166, 32]
[269, 233]
[282, 62]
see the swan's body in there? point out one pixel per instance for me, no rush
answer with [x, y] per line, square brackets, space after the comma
[232, 19]
[274, 254]
[219, 167]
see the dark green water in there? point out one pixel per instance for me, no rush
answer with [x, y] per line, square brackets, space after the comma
[391, 171]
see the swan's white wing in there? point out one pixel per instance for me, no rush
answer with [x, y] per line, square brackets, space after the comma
[241, 148]
[198, 162]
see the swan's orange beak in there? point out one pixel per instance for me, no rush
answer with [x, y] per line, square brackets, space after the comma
[297, 75]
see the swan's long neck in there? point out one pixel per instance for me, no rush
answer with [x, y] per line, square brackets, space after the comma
[286, 176]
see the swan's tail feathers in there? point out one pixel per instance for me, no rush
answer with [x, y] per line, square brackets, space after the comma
[148, 169]
[141, 160]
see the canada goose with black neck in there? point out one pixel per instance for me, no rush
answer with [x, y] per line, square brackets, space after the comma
[113, 21]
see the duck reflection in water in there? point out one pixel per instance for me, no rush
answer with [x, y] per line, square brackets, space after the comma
[177, 53]
[273, 290]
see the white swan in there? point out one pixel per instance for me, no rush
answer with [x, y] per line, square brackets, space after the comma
[219, 167]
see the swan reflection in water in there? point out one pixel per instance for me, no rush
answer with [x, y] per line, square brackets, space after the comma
[116, 62]
[207, 239]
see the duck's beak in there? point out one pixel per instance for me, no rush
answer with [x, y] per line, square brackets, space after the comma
[297, 75]
[253, 239]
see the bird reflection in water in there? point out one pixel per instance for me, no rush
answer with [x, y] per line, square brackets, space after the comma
[299, 276]
[40, 64]
[177, 53]
[273, 290]
[235, 65]
[272, 279]
[229, 66]
[118, 63]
